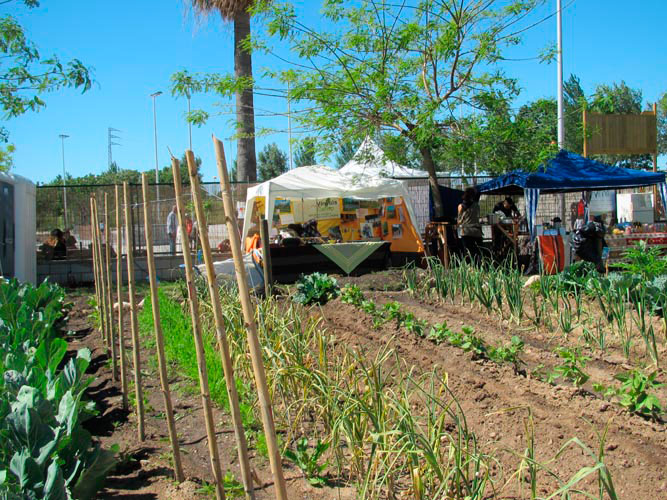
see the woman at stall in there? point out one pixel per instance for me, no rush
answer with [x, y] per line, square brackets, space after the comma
[470, 229]
[507, 208]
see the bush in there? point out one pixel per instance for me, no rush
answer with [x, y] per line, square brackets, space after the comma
[316, 288]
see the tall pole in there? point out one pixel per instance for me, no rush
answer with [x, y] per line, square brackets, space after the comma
[189, 124]
[62, 141]
[289, 128]
[559, 77]
[559, 64]
[157, 175]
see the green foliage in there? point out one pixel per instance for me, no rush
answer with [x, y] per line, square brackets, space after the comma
[662, 124]
[509, 353]
[346, 152]
[645, 261]
[571, 367]
[357, 86]
[469, 342]
[26, 76]
[439, 333]
[352, 294]
[309, 461]
[413, 324]
[304, 154]
[179, 345]
[271, 162]
[316, 288]
[44, 450]
[576, 276]
[634, 393]
[6, 157]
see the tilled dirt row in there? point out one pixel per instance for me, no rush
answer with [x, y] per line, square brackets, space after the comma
[496, 400]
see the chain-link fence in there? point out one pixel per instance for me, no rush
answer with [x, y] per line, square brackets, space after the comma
[76, 221]
[51, 213]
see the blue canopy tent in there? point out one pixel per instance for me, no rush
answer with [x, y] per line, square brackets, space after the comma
[568, 172]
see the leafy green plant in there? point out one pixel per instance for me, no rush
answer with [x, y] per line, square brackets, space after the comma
[309, 461]
[439, 333]
[644, 260]
[44, 450]
[572, 366]
[392, 310]
[413, 324]
[469, 342]
[316, 288]
[509, 353]
[634, 393]
[351, 294]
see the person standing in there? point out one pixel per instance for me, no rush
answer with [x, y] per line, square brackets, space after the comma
[172, 228]
[468, 222]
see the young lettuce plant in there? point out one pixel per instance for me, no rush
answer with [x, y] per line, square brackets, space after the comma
[635, 393]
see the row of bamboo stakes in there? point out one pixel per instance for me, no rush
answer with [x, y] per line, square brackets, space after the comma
[113, 333]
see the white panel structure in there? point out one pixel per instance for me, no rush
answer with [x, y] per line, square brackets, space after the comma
[18, 213]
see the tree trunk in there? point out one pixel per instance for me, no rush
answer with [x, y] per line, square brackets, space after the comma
[429, 166]
[245, 112]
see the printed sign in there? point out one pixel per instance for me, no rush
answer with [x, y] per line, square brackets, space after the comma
[323, 208]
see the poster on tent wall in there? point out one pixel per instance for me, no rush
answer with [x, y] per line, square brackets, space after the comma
[602, 201]
[320, 209]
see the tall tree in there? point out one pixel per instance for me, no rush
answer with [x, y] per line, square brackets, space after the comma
[304, 154]
[25, 76]
[575, 101]
[271, 162]
[387, 65]
[238, 12]
[662, 124]
[346, 151]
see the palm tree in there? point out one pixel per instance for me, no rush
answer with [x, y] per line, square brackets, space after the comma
[237, 11]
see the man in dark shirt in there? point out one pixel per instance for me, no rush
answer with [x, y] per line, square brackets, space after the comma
[507, 207]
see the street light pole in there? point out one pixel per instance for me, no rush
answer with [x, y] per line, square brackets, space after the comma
[289, 128]
[559, 89]
[559, 76]
[62, 141]
[157, 175]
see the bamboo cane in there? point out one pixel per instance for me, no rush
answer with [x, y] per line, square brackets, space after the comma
[100, 276]
[100, 272]
[96, 279]
[119, 293]
[103, 278]
[199, 343]
[266, 256]
[159, 340]
[253, 338]
[107, 241]
[221, 335]
[133, 316]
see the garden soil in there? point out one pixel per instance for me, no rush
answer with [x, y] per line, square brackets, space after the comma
[145, 471]
[496, 401]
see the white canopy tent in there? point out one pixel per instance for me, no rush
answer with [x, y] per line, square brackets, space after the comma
[371, 161]
[318, 182]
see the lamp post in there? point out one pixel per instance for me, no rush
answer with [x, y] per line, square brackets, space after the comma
[157, 175]
[62, 141]
[559, 90]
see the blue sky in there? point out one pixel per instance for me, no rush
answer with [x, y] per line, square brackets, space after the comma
[135, 47]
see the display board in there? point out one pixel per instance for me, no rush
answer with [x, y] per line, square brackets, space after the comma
[349, 219]
[620, 134]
